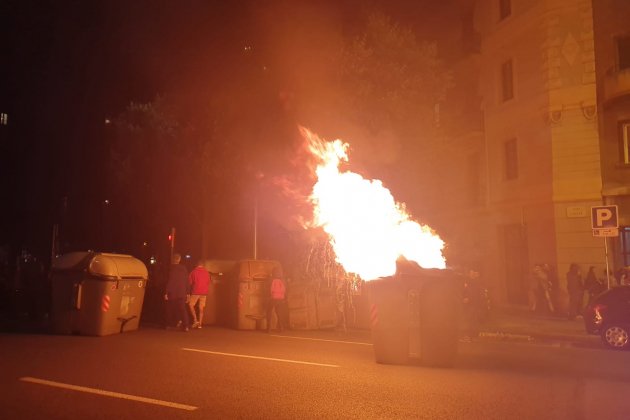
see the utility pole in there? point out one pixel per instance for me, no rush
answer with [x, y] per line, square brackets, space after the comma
[256, 229]
[54, 249]
[171, 239]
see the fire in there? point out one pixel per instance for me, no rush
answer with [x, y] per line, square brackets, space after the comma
[367, 228]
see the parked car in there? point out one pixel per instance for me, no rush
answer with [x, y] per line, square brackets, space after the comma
[609, 316]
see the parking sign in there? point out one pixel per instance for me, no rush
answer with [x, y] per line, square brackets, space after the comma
[604, 217]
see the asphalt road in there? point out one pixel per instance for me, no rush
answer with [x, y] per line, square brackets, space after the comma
[218, 373]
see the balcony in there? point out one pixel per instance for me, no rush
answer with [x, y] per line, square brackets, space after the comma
[616, 84]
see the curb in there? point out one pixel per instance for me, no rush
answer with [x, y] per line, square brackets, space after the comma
[505, 336]
[571, 340]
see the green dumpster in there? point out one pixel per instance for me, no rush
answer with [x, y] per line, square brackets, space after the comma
[415, 315]
[96, 293]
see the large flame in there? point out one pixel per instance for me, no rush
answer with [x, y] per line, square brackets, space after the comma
[367, 228]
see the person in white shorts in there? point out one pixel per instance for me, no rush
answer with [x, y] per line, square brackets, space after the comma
[199, 280]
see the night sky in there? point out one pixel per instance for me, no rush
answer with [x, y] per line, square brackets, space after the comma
[68, 66]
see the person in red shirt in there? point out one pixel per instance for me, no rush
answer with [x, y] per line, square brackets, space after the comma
[199, 280]
[278, 291]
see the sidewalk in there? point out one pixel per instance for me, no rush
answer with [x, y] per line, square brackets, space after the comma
[518, 323]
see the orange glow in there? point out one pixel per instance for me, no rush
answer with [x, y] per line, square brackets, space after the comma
[367, 228]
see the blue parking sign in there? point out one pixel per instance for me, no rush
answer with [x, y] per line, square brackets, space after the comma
[603, 217]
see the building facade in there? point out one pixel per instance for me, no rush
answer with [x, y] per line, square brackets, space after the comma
[553, 78]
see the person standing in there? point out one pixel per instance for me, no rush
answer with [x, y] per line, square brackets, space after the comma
[176, 293]
[554, 290]
[199, 280]
[545, 288]
[592, 284]
[276, 301]
[575, 287]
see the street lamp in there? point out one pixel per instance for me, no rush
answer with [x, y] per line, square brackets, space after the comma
[256, 228]
[259, 176]
[104, 204]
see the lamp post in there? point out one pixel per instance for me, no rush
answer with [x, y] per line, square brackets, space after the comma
[258, 179]
[171, 240]
[256, 227]
[104, 204]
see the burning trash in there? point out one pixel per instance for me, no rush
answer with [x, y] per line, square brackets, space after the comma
[414, 313]
[368, 230]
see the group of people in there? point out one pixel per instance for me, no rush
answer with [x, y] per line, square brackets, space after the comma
[577, 286]
[186, 294]
[544, 288]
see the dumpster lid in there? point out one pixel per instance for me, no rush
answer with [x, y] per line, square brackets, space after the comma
[118, 266]
[71, 261]
[256, 269]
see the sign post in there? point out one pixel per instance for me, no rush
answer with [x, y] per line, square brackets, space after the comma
[171, 239]
[605, 223]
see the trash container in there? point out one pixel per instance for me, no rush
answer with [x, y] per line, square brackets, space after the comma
[415, 315]
[218, 308]
[210, 310]
[252, 284]
[301, 306]
[242, 290]
[96, 293]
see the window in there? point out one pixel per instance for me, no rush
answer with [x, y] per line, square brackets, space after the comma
[624, 235]
[623, 52]
[4, 119]
[505, 9]
[511, 159]
[624, 142]
[507, 81]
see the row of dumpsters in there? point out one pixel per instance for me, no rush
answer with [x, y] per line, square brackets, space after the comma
[413, 315]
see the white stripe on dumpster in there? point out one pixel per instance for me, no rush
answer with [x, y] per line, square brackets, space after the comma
[108, 393]
[321, 339]
[247, 356]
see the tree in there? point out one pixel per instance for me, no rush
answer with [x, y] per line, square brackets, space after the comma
[392, 85]
[155, 162]
[390, 79]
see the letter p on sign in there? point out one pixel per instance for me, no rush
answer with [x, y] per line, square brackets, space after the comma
[604, 217]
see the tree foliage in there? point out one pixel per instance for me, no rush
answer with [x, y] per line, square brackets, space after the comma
[391, 87]
[390, 79]
[155, 166]
[211, 139]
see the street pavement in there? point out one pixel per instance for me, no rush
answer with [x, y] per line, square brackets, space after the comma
[504, 323]
[223, 373]
[517, 323]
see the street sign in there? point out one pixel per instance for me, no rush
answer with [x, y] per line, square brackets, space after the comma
[605, 223]
[604, 217]
[607, 232]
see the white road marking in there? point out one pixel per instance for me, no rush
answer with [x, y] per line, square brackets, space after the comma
[246, 356]
[322, 339]
[108, 393]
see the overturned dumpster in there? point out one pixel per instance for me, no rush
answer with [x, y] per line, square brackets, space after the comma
[242, 292]
[414, 316]
[96, 293]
